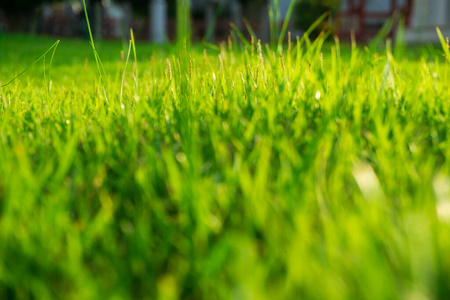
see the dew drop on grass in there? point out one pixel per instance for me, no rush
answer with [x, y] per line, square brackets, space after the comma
[367, 181]
[441, 185]
[413, 147]
[318, 95]
[127, 227]
[443, 211]
[181, 157]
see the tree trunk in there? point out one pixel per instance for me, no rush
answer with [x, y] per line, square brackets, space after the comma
[98, 21]
[236, 13]
[264, 31]
[158, 17]
[126, 22]
[183, 21]
[210, 11]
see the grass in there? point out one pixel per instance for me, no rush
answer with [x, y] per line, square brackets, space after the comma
[323, 173]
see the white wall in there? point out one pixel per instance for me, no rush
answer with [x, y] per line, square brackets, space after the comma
[426, 15]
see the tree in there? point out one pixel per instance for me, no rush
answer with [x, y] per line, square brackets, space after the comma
[23, 5]
[314, 9]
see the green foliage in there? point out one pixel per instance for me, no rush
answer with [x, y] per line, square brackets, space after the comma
[22, 5]
[308, 11]
[183, 14]
[323, 173]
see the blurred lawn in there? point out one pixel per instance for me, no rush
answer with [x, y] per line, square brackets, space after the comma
[322, 173]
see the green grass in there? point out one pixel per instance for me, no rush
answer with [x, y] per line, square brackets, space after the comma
[321, 174]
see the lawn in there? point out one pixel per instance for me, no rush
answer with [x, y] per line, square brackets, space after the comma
[224, 172]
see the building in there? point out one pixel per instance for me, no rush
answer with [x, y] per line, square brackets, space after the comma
[425, 16]
[366, 17]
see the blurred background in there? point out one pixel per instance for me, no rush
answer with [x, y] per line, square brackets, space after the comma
[156, 20]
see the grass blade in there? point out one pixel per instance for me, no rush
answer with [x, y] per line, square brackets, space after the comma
[286, 22]
[249, 28]
[123, 76]
[50, 68]
[384, 32]
[97, 57]
[443, 44]
[240, 35]
[313, 26]
[29, 67]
